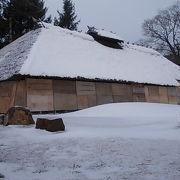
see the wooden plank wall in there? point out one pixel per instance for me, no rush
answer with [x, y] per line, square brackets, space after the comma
[152, 94]
[86, 94]
[163, 95]
[172, 95]
[21, 94]
[7, 95]
[178, 94]
[39, 95]
[65, 97]
[50, 95]
[104, 93]
[122, 93]
[138, 93]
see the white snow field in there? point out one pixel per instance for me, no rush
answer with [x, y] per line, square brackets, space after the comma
[124, 141]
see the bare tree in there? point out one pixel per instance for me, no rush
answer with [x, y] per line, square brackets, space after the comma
[163, 31]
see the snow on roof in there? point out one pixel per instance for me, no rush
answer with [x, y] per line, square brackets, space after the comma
[57, 52]
[13, 56]
[108, 34]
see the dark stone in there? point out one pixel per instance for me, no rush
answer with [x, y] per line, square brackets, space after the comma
[18, 116]
[41, 123]
[50, 125]
[1, 119]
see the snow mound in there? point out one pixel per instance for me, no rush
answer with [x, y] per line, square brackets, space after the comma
[127, 120]
[129, 110]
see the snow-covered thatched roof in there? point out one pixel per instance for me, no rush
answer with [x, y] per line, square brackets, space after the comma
[57, 52]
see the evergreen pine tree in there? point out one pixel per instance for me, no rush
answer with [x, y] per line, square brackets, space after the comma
[67, 19]
[17, 18]
[3, 25]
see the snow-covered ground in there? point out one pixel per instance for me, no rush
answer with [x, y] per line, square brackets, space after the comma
[116, 141]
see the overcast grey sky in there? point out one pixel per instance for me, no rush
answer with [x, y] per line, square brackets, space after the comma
[124, 17]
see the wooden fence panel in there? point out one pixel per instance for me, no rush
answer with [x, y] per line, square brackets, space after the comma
[64, 86]
[86, 94]
[21, 94]
[163, 95]
[178, 100]
[104, 89]
[39, 94]
[82, 101]
[65, 97]
[122, 93]
[173, 95]
[178, 91]
[92, 101]
[153, 90]
[173, 99]
[172, 91]
[104, 99]
[139, 93]
[139, 98]
[65, 101]
[7, 95]
[85, 88]
[117, 99]
[121, 89]
[178, 94]
[152, 94]
[138, 89]
[104, 93]
[85, 101]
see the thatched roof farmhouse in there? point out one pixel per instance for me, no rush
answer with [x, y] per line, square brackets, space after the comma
[53, 69]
